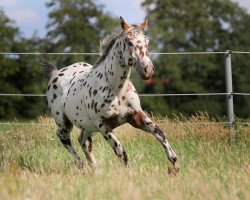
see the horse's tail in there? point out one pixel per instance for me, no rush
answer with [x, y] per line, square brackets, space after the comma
[48, 67]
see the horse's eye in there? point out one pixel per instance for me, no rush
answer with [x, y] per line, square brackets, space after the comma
[130, 44]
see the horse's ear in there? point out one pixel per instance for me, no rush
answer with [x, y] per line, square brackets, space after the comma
[144, 24]
[124, 25]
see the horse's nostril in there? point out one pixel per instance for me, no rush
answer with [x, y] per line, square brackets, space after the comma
[146, 70]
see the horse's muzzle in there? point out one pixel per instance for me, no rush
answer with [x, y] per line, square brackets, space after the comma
[147, 71]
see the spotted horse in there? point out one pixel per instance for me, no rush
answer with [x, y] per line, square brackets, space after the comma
[102, 97]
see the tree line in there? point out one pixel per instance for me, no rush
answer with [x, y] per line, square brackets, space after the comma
[174, 26]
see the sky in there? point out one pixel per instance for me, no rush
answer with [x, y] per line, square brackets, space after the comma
[31, 15]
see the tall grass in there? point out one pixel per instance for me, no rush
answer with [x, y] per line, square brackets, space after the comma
[35, 165]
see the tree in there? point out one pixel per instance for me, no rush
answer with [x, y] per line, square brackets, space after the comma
[209, 25]
[76, 26]
[19, 74]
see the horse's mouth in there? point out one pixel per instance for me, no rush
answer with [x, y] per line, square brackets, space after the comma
[145, 74]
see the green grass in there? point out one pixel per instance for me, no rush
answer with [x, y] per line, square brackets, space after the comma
[35, 165]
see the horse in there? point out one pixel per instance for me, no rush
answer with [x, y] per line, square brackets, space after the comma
[102, 97]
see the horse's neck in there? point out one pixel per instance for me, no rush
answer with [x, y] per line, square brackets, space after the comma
[116, 71]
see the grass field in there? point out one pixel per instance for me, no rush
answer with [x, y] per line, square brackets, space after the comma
[35, 165]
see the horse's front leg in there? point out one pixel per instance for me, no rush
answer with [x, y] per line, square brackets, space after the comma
[140, 119]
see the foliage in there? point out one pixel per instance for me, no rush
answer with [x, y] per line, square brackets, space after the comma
[76, 26]
[19, 74]
[208, 25]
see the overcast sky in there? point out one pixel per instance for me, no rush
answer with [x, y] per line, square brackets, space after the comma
[31, 15]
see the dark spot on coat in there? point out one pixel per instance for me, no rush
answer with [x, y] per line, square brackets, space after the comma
[159, 132]
[130, 61]
[116, 145]
[55, 80]
[106, 138]
[100, 125]
[54, 96]
[90, 90]
[120, 86]
[110, 123]
[71, 79]
[55, 86]
[66, 121]
[104, 89]
[61, 74]
[66, 142]
[72, 84]
[64, 69]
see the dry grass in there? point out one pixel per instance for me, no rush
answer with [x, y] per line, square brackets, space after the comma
[34, 165]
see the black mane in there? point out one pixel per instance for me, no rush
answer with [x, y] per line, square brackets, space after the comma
[108, 42]
[106, 45]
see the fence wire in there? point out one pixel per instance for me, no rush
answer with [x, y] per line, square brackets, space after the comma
[152, 95]
[157, 121]
[143, 95]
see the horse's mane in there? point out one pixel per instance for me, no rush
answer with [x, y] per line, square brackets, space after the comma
[108, 42]
[106, 45]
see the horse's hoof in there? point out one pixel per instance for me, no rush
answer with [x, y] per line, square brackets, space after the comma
[174, 170]
[173, 160]
[79, 164]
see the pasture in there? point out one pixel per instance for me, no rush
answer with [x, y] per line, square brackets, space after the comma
[35, 165]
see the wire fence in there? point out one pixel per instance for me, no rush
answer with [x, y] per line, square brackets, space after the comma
[152, 53]
[148, 95]
[228, 77]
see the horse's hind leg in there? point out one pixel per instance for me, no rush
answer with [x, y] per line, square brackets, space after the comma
[64, 127]
[85, 141]
[115, 144]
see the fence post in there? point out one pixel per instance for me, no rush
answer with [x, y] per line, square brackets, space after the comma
[229, 90]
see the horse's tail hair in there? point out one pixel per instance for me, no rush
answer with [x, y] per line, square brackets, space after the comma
[48, 67]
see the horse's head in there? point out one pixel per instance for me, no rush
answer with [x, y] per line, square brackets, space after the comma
[136, 48]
